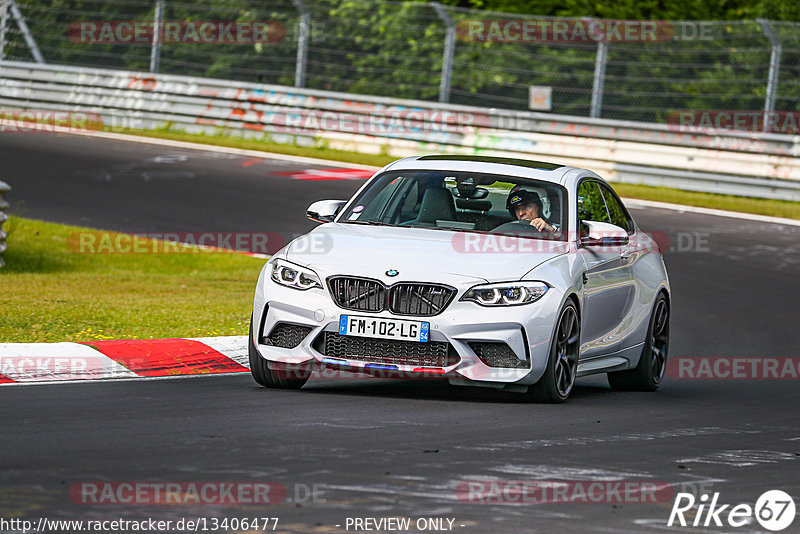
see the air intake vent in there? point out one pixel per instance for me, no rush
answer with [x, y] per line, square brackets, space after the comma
[497, 355]
[287, 336]
[430, 354]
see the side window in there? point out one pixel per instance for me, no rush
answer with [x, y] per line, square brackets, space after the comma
[618, 215]
[389, 204]
[591, 206]
[376, 199]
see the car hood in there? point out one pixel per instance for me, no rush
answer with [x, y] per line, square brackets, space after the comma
[419, 254]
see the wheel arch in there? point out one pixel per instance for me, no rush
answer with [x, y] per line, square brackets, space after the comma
[667, 296]
[576, 301]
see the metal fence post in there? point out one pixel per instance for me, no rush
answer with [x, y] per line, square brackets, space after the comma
[599, 79]
[155, 47]
[4, 188]
[26, 33]
[3, 22]
[774, 69]
[449, 51]
[302, 43]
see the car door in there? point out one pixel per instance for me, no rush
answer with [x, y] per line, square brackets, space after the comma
[608, 290]
[638, 307]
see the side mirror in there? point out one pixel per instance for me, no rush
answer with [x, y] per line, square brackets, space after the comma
[324, 210]
[601, 234]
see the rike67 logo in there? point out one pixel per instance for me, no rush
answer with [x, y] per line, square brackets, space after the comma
[774, 510]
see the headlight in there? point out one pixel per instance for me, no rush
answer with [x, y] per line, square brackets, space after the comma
[291, 275]
[506, 293]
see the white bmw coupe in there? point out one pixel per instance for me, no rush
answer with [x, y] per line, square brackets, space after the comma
[483, 271]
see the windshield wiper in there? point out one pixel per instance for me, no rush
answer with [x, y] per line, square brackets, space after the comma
[446, 229]
[370, 223]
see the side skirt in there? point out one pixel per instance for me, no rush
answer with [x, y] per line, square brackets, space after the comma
[616, 361]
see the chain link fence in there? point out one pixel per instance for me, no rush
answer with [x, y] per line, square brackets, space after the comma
[432, 52]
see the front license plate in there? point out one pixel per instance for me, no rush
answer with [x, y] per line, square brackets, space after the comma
[351, 325]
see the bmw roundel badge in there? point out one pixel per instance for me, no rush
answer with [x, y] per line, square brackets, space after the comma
[392, 272]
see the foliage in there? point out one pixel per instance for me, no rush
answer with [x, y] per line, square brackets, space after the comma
[396, 49]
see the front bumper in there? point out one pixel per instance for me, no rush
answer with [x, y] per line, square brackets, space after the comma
[527, 330]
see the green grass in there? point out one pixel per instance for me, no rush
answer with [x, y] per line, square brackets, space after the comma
[775, 208]
[52, 293]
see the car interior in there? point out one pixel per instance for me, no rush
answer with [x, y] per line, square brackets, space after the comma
[455, 202]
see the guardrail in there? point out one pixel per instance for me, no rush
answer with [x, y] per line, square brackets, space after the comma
[4, 188]
[748, 164]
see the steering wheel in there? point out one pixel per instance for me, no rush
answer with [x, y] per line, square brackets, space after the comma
[518, 227]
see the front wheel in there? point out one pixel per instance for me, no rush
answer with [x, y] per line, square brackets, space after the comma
[559, 378]
[649, 373]
[266, 376]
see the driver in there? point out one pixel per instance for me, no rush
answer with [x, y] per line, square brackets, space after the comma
[527, 206]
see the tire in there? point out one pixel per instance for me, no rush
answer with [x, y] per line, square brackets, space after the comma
[649, 372]
[271, 378]
[559, 378]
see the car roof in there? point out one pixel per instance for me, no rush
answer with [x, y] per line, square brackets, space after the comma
[522, 168]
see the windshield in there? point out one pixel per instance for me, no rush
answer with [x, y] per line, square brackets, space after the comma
[459, 201]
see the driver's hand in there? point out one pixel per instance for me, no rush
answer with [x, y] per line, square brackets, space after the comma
[540, 225]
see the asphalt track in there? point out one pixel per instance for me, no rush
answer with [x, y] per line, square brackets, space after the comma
[398, 448]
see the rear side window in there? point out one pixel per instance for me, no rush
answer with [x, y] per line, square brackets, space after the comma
[617, 211]
[591, 206]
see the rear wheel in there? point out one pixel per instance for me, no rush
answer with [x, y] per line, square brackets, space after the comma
[649, 373]
[289, 379]
[559, 378]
